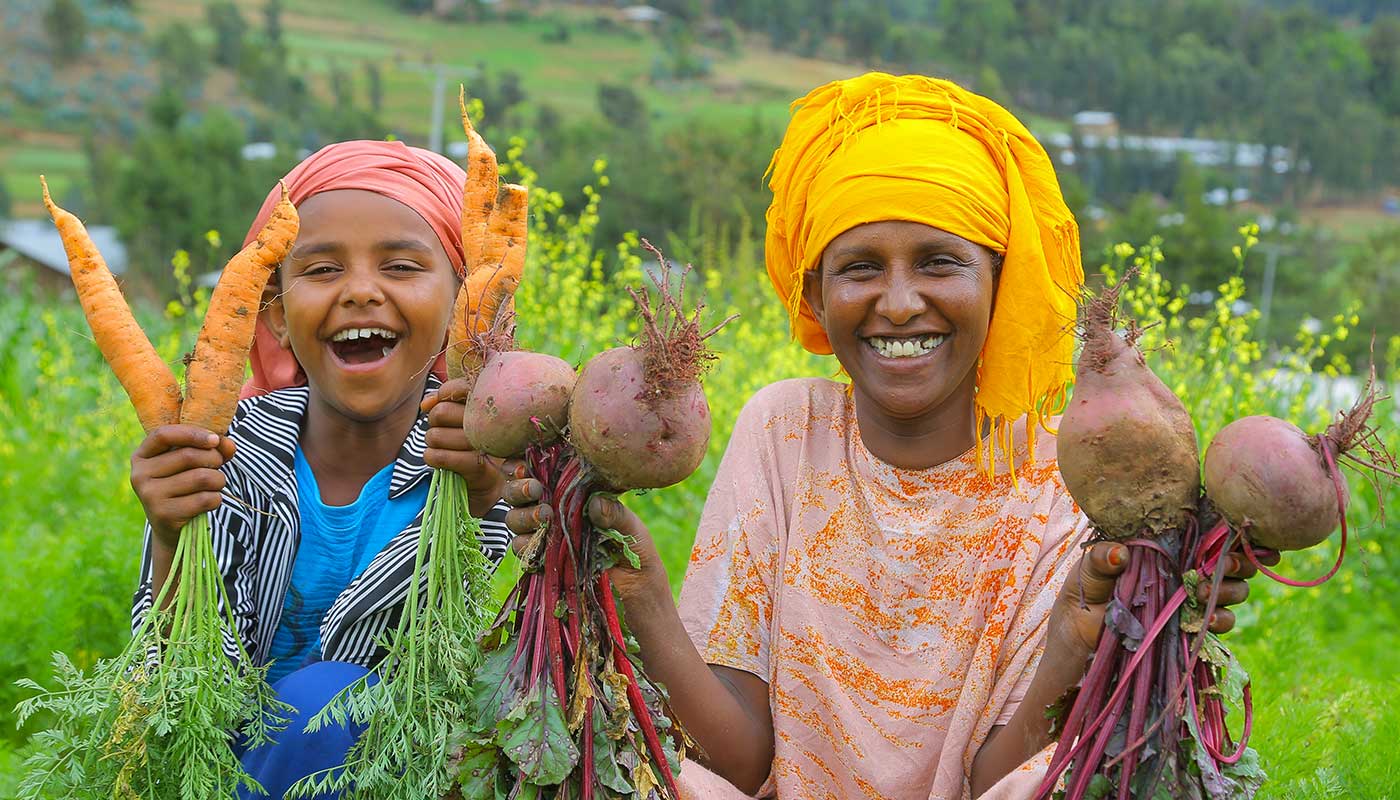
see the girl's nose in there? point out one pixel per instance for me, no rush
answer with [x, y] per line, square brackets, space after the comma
[362, 288]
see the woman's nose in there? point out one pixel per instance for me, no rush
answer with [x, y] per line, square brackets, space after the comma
[900, 301]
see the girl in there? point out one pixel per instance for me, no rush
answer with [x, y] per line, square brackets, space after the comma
[886, 588]
[316, 495]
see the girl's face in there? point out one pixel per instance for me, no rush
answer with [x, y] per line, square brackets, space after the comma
[906, 307]
[366, 296]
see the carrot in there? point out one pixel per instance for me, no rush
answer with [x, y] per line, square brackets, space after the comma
[503, 262]
[216, 370]
[479, 196]
[146, 378]
[491, 282]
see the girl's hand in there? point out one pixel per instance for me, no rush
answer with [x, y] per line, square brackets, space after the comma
[448, 448]
[175, 473]
[1077, 619]
[648, 583]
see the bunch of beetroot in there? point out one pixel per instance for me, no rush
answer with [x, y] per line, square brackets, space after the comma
[1148, 719]
[562, 705]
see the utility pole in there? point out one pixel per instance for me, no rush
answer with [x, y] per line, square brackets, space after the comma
[435, 132]
[440, 73]
[1266, 303]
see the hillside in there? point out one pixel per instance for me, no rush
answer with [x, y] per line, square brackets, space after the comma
[409, 52]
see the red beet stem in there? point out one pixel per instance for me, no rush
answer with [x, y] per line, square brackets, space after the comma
[590, 775]
[1124, 675]
[634, 691]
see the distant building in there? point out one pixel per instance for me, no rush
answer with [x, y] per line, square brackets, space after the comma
[1206, 152]
[1096, 123]
[643, 15]
[31, 251]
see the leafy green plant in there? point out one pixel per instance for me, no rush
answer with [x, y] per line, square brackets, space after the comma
[159, 720]
[414, 703]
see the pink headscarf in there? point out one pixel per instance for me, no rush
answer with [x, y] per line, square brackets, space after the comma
[426, 182]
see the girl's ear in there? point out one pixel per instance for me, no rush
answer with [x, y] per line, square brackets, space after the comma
[812, 293]
[274, 314]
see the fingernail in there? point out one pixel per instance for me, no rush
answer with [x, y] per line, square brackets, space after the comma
[1212, 619]
[212, 439]
[1118, 555]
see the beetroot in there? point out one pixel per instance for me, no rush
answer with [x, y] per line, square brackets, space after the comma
[1281, 488]
[634, 437]
[638, 414]
[1148, 718]
[519, 398]
[1126, 447]
[1269, 479]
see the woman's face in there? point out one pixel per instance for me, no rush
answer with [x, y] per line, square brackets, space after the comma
[906, 307]
[366, 296]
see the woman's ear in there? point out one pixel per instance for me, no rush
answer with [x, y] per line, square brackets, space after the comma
[812, 293]
[274, 314]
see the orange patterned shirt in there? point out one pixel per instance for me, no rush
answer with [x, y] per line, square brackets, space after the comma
[897, 615]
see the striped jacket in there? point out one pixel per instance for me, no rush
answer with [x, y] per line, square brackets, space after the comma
[256, 530]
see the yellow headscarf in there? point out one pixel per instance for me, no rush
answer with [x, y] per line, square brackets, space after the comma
[880, 147]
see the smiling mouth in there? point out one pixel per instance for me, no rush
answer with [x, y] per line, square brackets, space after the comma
[363, 346]
[905, 347]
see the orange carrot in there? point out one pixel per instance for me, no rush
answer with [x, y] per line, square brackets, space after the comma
[146, 378]
[216, 370]
[479, 195]
[489, 288]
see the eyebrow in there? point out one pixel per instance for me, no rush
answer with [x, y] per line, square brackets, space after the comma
[388, 245]
[852, 251]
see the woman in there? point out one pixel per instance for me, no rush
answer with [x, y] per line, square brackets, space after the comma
[886, 588]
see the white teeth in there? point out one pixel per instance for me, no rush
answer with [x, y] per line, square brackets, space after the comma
[352, 334]
[386, 351]
[905, 348]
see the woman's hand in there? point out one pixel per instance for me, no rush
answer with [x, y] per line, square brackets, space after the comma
[645, 584]
[175, 473]
[1077, 619]
[1076, 622]
[448, 448]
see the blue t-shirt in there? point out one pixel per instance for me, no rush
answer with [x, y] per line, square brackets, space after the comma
[337, 543]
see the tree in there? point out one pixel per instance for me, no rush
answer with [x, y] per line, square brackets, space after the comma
[228, 27]
[376, 88]
[4, 201]
[66, 26]
[622, 107]
[178, 179]
[974, 27]
[1383, 46]
[272, 22]
[182, 59]
[866, 29]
